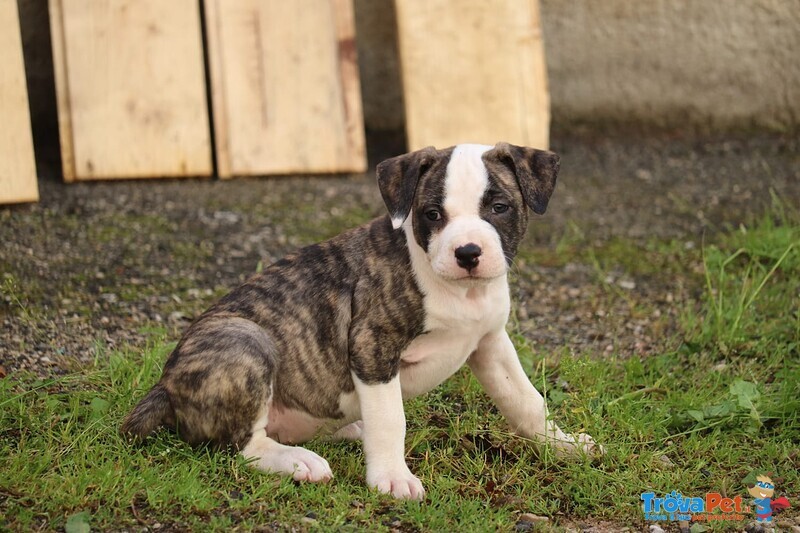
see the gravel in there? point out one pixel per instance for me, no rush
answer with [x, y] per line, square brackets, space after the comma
[101, 266]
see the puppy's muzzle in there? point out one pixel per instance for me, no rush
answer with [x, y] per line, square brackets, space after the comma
[467, 256]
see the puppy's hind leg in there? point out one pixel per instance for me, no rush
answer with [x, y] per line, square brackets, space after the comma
[352, 431]
[270, 455]
[220, 383]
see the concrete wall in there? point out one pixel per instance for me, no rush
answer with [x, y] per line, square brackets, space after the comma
[379, 63]
[711, 63]
[668, 63]
[37, 50]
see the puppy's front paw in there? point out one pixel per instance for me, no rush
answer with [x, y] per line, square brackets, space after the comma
[579, 445]
[399, 482]
[587, 445]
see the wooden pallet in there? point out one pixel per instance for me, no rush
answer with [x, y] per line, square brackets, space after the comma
[131, 91]
[17, 162]
[473, 71]
[285, 87]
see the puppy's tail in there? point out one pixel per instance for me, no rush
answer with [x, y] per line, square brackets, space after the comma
[151, 412]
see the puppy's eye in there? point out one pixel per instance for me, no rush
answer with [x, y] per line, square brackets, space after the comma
[433, 215]
[498, 208]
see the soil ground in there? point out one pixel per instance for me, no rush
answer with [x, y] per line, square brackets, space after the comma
[96, 265]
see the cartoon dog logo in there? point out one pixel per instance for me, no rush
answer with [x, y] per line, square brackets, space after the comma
[763, 491]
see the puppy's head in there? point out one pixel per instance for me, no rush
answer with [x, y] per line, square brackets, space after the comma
[467, 205]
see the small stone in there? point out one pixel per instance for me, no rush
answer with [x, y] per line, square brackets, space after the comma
[532, 518]
[593, 335]
[755, 527]
[655, 528]
[176, 316]
[719, 367]
[226, 217]
[109, 297]
[666, 461]
[626, 284]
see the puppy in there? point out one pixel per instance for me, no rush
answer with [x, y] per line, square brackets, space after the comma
[332, 339]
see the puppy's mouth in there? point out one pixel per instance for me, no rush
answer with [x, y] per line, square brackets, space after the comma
[482, 272]
[471, 276]
[473, 273]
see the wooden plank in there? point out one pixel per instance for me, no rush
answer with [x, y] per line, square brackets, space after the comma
[130, 86]
[285, 87]
[17, 162]
[62, 92]
[473, 71]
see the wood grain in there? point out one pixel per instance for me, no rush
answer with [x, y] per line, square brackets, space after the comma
[17, 163]
[473, 71]
[130, 87]
[285, 87]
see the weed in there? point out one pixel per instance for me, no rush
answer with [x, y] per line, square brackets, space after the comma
[750, 290]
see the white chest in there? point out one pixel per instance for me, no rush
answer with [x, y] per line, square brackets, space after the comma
[455, 323]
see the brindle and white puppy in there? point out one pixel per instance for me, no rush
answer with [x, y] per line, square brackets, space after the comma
[332, 339]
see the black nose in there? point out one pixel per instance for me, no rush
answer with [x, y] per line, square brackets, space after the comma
[467, 255]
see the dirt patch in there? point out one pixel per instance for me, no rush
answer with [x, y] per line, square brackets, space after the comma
[101, 265]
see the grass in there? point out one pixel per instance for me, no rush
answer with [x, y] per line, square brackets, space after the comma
[702, 416]
[752, 292]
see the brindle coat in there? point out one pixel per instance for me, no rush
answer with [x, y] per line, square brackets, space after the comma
[294, 333]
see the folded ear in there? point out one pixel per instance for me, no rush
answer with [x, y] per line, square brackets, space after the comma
[398, 178]
[536, 172]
